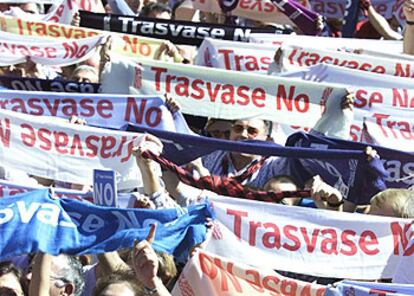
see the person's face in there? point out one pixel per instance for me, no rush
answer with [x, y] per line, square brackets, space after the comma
[276, 186]
[10, 285]
[85, 76]
[118, 289]
[253, 129]
[219, 129]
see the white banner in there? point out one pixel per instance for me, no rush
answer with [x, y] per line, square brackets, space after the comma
[310, 241]
[15, 49]
[59, 13]
[113, 111]
[341, 75]
[296, 57]
[227, 94]
[385, 46]
[125, 200]
[261, 10]
[65, 152]
[207, 274]
[395, 132]
[11, 189]
[236, 56]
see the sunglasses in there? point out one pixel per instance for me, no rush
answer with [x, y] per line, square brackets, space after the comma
[238, 128]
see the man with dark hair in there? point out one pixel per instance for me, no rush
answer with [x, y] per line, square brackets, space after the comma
[64, 273]
[156, 10]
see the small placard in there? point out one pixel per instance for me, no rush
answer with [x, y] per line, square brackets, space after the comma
[104, 188]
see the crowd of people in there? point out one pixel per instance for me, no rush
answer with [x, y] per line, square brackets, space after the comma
[230, 168]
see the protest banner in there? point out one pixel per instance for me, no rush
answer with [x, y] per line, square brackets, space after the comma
[178, 32]
[355, 288]
[295, 57]
[229, 95]
[309, 241]
[65, 152]
[207, 274]
[341, 75]
[34, 222]
[104, 188]
[259, 10]
[112, 111]
[336, 8]
[128, 45]
[90, 5]
[62, 12]
[384, 46]
[16, 49]
[8, 188]
[235, 56]
[387, 130]
[35, 84]
[398, 164]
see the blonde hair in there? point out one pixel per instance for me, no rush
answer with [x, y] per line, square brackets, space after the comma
[401, 201]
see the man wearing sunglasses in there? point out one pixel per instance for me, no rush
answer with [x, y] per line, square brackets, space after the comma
[255, 169]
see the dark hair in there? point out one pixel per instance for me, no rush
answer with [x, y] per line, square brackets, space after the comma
[119, 276]
[8, 267]
[73, 273]
[154, 7]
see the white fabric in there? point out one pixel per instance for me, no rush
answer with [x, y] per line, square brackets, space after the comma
[387, 130]
[261, 10]
[15, 49]
[206, 274]
[384, 46]
[294, 57]
[102, 110]
[60, 13]
[65, 152]
[312, 241]
[233, 95]
[236, 56]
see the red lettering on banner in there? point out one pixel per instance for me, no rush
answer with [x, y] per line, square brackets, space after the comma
[402, 100]
[300, 101]
[5, 132]
[402, 237]
[257, 5]
[255, 280]
[68, 107]
[403, 127]
[72, 50]
[324, 7]
[212, 266]
[346, 241]
[361, 100]
[401, 72]
[133, 45]
[237, 221]
[58, 15]
[241, 62]
[151, 116]
[310, 243]
[366, 239]
[216, 92]
[65, 144]
[332, 242]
